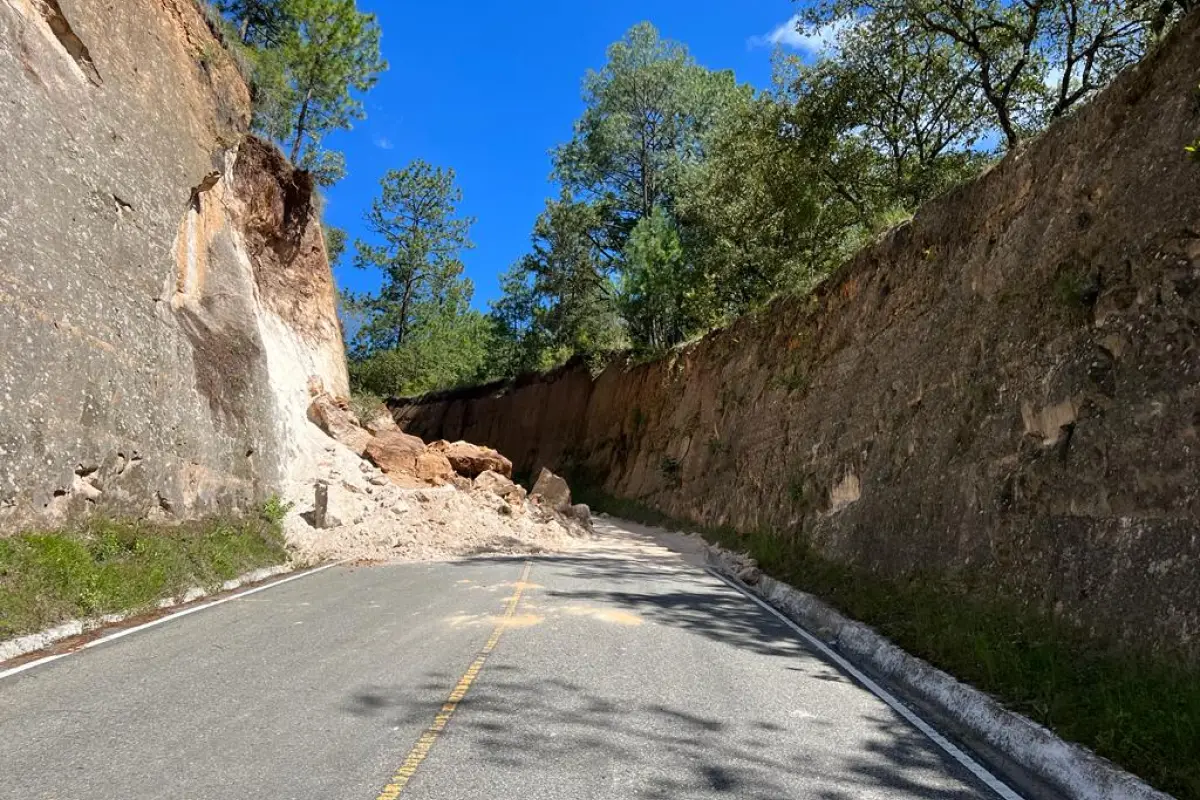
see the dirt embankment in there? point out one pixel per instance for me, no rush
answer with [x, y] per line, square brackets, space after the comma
[1004, 393]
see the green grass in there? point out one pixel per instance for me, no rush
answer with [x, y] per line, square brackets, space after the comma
[1139, 710]
[105, 566]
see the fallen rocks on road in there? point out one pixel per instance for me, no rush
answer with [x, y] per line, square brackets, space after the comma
[551, 491]
[581, 513]
[407, 461]
[471, 460]
[501, 486]
[392, 497]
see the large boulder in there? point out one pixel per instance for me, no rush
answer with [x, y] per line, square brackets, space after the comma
[380, 421]
[472, 460]
[338, 421]
[407, 461]
[551, 491]
[497, 484]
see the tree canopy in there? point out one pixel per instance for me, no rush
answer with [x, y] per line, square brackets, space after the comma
[418, 331]
[1032, 60]
[313, 60]
[682, 198]
[688, 198]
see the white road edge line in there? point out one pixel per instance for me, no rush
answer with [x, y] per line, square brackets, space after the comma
[8, 673]
[973, 766]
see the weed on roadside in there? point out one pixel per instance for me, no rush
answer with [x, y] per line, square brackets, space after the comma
[105, 566]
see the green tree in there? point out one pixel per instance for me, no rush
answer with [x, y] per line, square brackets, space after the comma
[663, 298]
[309, 84]
[260, 23]
[559, 299]
[1032, 60]
[335, 243]
[643, 126]
[449, 346]
[754, 215]
[420, 238]
[795, 179]
[418, 332]
[912, 101]
[519, 342]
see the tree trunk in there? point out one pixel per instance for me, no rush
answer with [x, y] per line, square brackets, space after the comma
[300, 123]
[1006, 123]
[244, 31]
[405, 304]
[999, 102]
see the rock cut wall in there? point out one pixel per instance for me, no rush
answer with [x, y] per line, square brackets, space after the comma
[1004, 391]
[164, 290]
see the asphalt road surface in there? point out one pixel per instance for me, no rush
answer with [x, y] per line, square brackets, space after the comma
[618, 672]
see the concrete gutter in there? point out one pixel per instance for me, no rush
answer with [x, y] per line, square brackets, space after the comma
[1069, 769]
[31, 643]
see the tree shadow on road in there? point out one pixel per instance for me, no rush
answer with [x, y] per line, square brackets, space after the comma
[553, 731]
[550, 730]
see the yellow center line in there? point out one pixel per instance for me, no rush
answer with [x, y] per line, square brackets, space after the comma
[424, 744]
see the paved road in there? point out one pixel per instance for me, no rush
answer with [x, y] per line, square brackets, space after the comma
[620, 673]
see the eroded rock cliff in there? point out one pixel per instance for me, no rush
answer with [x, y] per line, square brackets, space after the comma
[165, 296]
[1005, 392]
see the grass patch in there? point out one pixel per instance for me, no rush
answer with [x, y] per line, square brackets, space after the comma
[1140, 711]
[105, 566]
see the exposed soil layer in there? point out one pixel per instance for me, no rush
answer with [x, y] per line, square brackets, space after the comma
[1003, 394]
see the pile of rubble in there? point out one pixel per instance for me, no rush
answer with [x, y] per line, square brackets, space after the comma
[390, 496]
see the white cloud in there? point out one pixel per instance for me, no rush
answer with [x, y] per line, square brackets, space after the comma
[383, 143]
[813, 43]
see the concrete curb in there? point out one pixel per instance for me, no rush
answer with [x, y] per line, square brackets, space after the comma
[31, 643]
[1068, 768]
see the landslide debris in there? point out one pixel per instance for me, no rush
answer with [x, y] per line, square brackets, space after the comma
[471, 460]
[551, 491]
[391, 497]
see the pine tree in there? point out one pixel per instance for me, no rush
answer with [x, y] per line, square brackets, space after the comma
[419, 331]
[421, 237]
[311, 81]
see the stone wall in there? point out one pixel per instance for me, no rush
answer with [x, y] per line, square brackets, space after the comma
[164, 290]
[1004, 392]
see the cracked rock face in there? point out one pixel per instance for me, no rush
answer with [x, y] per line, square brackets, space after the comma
[164, 291]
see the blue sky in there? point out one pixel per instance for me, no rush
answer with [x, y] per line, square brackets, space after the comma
[489, 88]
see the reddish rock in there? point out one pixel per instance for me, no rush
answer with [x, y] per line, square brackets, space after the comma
[339, 422]
[406, 460]
[472, 460]
[380, 421]
[501, 486]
